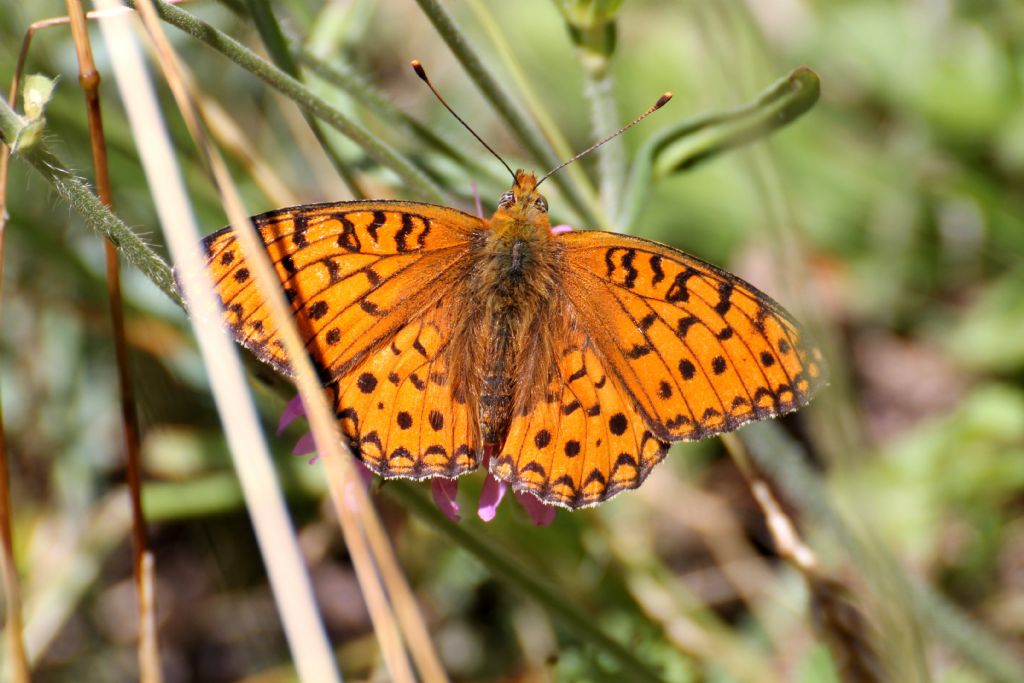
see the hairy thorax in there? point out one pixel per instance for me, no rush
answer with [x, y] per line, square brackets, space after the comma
[505, 342]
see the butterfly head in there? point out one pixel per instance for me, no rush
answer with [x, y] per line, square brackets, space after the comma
[522, 203]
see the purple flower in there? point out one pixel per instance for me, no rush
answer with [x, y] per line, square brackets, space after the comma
[443, 489]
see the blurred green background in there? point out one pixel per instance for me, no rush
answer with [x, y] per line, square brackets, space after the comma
[889, 218]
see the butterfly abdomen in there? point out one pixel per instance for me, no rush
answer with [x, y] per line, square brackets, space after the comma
[514, 279]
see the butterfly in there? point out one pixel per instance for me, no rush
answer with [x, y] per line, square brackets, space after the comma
[567, 361]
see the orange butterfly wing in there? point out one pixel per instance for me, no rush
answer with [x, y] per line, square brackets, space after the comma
[354, 272]
[699, 350]
[586, 441]
[661, 347]
[656, 346]
[397, 406]
[370, 285]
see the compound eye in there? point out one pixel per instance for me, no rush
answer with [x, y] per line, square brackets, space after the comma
[542, 203]
[507, 199]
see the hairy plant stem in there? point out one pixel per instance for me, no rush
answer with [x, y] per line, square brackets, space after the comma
[79, 195]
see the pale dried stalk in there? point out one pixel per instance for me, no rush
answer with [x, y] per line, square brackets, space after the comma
[259, 263]
[420, 643]
[149, 647]
[351, 503]
[289, 580]
[233, 140]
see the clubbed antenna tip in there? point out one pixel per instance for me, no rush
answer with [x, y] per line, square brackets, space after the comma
[662, 101]
[422, 73]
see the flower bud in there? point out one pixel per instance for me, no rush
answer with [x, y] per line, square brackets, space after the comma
[36, 95]
[592, 29]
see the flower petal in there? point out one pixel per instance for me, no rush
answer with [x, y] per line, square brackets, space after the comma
[559, 229]
[490, 497]
[444, 491]
[540, 514]
[292, 411]
[305, 445]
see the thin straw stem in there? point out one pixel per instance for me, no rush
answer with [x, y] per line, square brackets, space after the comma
[353, 510]
[289, 581]
[16, 658]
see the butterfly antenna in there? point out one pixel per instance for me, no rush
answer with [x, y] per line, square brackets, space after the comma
[418, 68]
[662, 101]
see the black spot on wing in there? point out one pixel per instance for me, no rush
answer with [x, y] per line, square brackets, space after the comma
[379, 219]
[348, 238]
[684, 325]
[318, 310]
[299, 235]
[366, 382]
[678, 291]
[659, 273]
[631, 271]
[724, 295]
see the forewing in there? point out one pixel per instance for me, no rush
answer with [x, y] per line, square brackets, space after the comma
[354, 273]
[698, 350]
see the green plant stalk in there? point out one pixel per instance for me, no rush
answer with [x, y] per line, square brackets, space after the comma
[777, 455]
[417, 184]
[508, 570]
[273, 38]
[692, 141]
[592, 28]
[611, 157]
[78, 194]
[506, 107]
[536, 107]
